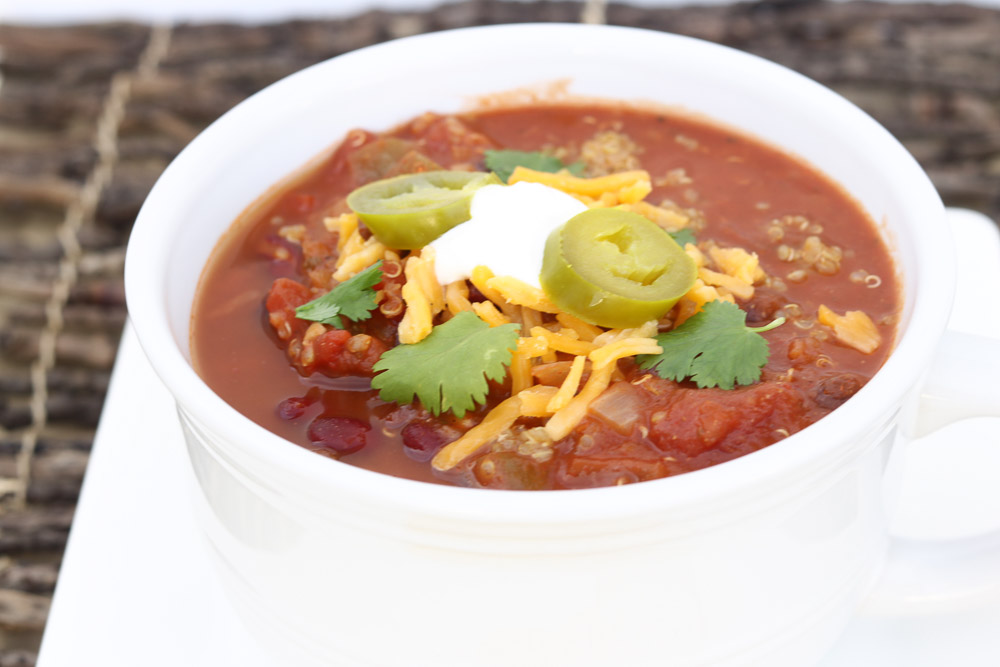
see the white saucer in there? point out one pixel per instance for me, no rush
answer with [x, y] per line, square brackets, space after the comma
[137, 586]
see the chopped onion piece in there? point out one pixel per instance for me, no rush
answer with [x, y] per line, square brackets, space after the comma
[619, 406]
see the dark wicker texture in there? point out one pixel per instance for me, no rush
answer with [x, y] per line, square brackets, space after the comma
[90, 115]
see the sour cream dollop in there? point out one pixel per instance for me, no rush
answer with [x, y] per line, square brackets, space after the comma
[506, 232]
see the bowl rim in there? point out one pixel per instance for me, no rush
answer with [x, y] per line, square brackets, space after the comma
[146, 279]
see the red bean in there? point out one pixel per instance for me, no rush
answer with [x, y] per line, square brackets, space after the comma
[763, 308]
[285, 256]
[296, 406]
[292, 408]
[342, 435]
[423, 439]
[834, 391]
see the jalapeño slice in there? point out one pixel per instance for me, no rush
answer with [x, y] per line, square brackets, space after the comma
[614, 268]
[410, 211]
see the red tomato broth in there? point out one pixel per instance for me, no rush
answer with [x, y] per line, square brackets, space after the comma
[738, 184]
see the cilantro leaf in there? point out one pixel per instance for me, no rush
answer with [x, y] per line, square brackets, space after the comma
[354, 299]
[713, 348]
[448, 369]
[683, 237]
[503, 163]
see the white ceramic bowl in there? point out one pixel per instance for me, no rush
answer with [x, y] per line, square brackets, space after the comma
[757, 561]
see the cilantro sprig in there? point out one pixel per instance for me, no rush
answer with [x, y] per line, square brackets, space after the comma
[714, 348]
[503, 163]
[683, 237]
[447, 370]
[354, 299]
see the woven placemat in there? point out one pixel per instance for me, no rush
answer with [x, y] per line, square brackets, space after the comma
[90, 115]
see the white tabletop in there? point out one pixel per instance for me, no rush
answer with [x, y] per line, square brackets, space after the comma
[137, 586]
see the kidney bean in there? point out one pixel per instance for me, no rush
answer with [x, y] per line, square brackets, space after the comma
[292, 408]
[763, 307]
[423, 439]
[343, 435]
[285, 256]
[834, 390]
[296, 406]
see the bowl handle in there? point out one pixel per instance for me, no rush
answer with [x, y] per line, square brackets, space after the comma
[963, 382]
[940, 576]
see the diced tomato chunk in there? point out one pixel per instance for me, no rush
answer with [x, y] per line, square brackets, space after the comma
[334, 352]
[339, 353]
[285, 296]
[449, 140]
[694, 421]
[611, 460]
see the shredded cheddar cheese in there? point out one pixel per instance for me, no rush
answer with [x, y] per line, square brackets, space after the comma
[535, 400]
[566, 419]
[569, 386]
[742, 290]
[738, 263]
[646, 330]
[488, 313]
[563, 342]
[345, 225]
[696, 255]
[627, 187]
[696, 298]
[358, 255]
[480, 278]
[456, 297]
[496, 421]
[584, 330]
[521, 293]
[520, 371]
[734, 271]
[423, 297]
[532, 346]
[348, 245]
[854, 328]
[669, 220]
[424, 274]
[625, 347]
